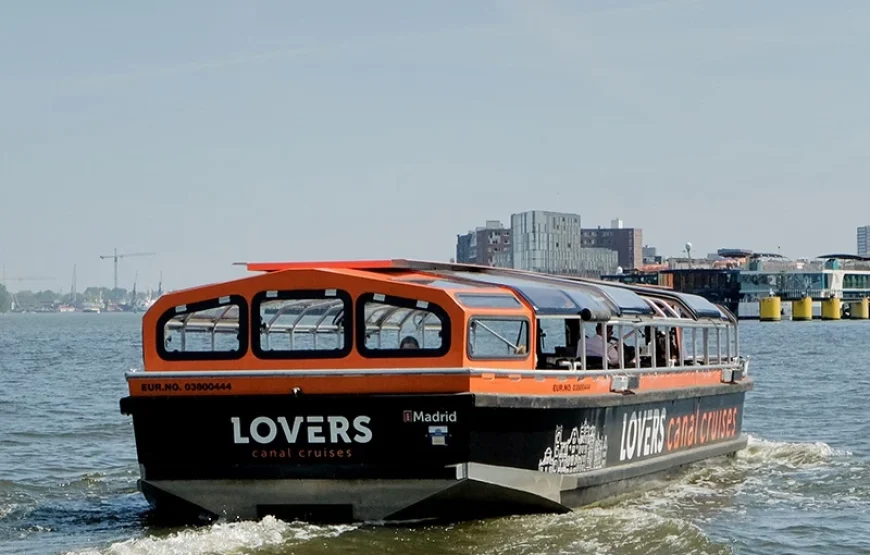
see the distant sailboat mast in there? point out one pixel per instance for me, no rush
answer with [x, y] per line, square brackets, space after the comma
[68, 304]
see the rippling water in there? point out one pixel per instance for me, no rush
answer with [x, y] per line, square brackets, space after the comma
[68, 463]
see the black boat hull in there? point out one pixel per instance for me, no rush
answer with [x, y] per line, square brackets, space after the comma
[408, 457]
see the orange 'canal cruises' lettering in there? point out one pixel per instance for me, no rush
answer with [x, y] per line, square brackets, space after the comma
[701, 427]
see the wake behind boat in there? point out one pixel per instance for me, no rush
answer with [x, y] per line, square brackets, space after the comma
[396, 390]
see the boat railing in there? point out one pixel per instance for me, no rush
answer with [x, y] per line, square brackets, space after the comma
[203, 325]
[702, 346]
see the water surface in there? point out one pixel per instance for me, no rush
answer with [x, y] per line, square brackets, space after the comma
[68, 463]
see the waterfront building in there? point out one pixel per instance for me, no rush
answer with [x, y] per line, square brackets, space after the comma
[864, 241]
[552, 242]
[627, 242]
[832, 280]
[638, 277]
[488, 245]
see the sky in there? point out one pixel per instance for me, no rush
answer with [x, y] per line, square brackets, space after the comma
[211, 132]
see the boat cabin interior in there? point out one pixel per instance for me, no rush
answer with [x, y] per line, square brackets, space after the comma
[399, 314]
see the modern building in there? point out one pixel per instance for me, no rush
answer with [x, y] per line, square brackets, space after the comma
[489, 245]
[650, 255]
[464, 252]
[627, 242]
[551, 242]
[864, 241]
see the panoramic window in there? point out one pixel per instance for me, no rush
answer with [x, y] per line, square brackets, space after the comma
[396, 326]
[207, 330]
[498, 338]
[302, 324]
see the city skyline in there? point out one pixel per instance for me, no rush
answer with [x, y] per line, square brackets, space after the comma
[676, 251]
[19, 282]
[300, 132]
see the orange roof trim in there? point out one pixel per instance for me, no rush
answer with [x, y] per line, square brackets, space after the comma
[390, 264]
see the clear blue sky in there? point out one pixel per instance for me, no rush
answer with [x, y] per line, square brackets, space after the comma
[212, 132]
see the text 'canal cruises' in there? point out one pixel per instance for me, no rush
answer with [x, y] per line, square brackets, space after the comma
[397, 390]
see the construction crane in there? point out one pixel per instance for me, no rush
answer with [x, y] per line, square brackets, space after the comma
[25, 278]
[115, 256]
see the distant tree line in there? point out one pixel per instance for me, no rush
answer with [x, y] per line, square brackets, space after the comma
[30, 300]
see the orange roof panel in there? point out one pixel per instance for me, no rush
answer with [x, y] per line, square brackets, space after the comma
[323, 265]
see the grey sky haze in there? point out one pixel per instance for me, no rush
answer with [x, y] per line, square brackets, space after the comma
[213, 132]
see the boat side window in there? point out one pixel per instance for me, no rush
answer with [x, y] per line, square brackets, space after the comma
[556, 341]
[494, 337]
[214, 329]
[390, 326]
[311, 323]
[552, 336]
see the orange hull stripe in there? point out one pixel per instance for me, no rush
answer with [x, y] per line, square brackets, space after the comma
[154, 385]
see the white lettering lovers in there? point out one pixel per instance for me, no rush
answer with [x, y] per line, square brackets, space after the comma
[307, 429]
[643, 434]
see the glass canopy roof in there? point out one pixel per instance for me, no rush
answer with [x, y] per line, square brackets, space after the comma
[564, 297]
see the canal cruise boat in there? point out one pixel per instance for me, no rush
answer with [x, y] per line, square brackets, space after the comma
[401, 390]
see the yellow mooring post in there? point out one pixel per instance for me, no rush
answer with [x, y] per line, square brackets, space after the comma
[832, 309]
[859, 310]
[802, 309]
[770, 309]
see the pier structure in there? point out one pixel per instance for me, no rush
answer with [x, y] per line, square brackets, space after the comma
[805, 308]
[802, 308]
[772, 288]
[830, 292]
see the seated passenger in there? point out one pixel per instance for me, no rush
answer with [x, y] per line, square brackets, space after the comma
[596, 345]
[409, 342]
[662, 339]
